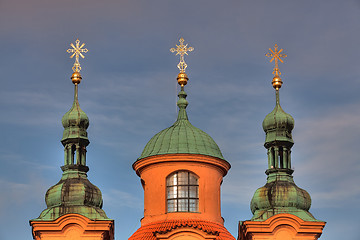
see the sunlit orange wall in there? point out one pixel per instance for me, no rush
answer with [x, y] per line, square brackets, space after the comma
[282, 226]
[154, 170]
[73, 227]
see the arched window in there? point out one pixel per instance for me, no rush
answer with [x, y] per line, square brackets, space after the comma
[182, 192]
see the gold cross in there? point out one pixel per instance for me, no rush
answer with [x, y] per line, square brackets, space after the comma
[77, 51]
[277, 55]
[181, 50]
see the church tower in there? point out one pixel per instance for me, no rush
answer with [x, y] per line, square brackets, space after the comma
[74, 204]
[181, 170]
[280, 208]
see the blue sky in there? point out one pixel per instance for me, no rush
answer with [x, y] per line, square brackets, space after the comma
[129, 93]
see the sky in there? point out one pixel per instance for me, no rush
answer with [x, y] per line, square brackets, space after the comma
[129, 94]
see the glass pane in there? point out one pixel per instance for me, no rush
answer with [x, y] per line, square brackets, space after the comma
[172, 180]
[183, 178]
[168, 180]
[172, 206]
[193, 179]
[171, 192]
[183, 205]
[183, 192]
[194, 205]
[193, 191]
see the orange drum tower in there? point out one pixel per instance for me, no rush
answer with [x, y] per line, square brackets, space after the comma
[181, 171]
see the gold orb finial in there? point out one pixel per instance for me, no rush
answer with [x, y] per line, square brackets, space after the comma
[76, 78]
[77, 50]
[276, 82]
[276, 55]
[182, 79]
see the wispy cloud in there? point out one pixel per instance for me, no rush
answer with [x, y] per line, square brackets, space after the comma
[116, 198]
[325, 158]
[20, 161]
[21, 193]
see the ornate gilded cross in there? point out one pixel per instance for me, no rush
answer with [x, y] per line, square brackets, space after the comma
[277, 55]
[181, 50]
[77, 51]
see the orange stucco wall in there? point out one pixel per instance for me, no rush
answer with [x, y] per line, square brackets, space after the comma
[73, 227]
[153, 172]
[281, 227]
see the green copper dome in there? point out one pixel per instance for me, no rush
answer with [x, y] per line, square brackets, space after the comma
[74, 193]
[280, 195]
[75, 122]
[182, 137]
[278, 124]
[278, 119]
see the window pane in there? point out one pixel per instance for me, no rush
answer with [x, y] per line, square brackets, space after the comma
[183, 178]
[172, 180]
[193, 179]
[183, 191]
[193, 191]
[194, 205]
[169, 180]
[171, 192]
[183, 205]
[172, 206]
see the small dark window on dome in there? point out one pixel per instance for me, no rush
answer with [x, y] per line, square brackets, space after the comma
[182, 192]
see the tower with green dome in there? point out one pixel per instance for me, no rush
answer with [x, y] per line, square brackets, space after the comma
[74, 194]
[280, 208]
[181, 170]
[280, 194]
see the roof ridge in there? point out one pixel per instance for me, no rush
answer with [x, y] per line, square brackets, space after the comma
[150, 230]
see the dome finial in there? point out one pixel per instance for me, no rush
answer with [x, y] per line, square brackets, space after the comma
[77, 51]
[181, 50]
[277, 55]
